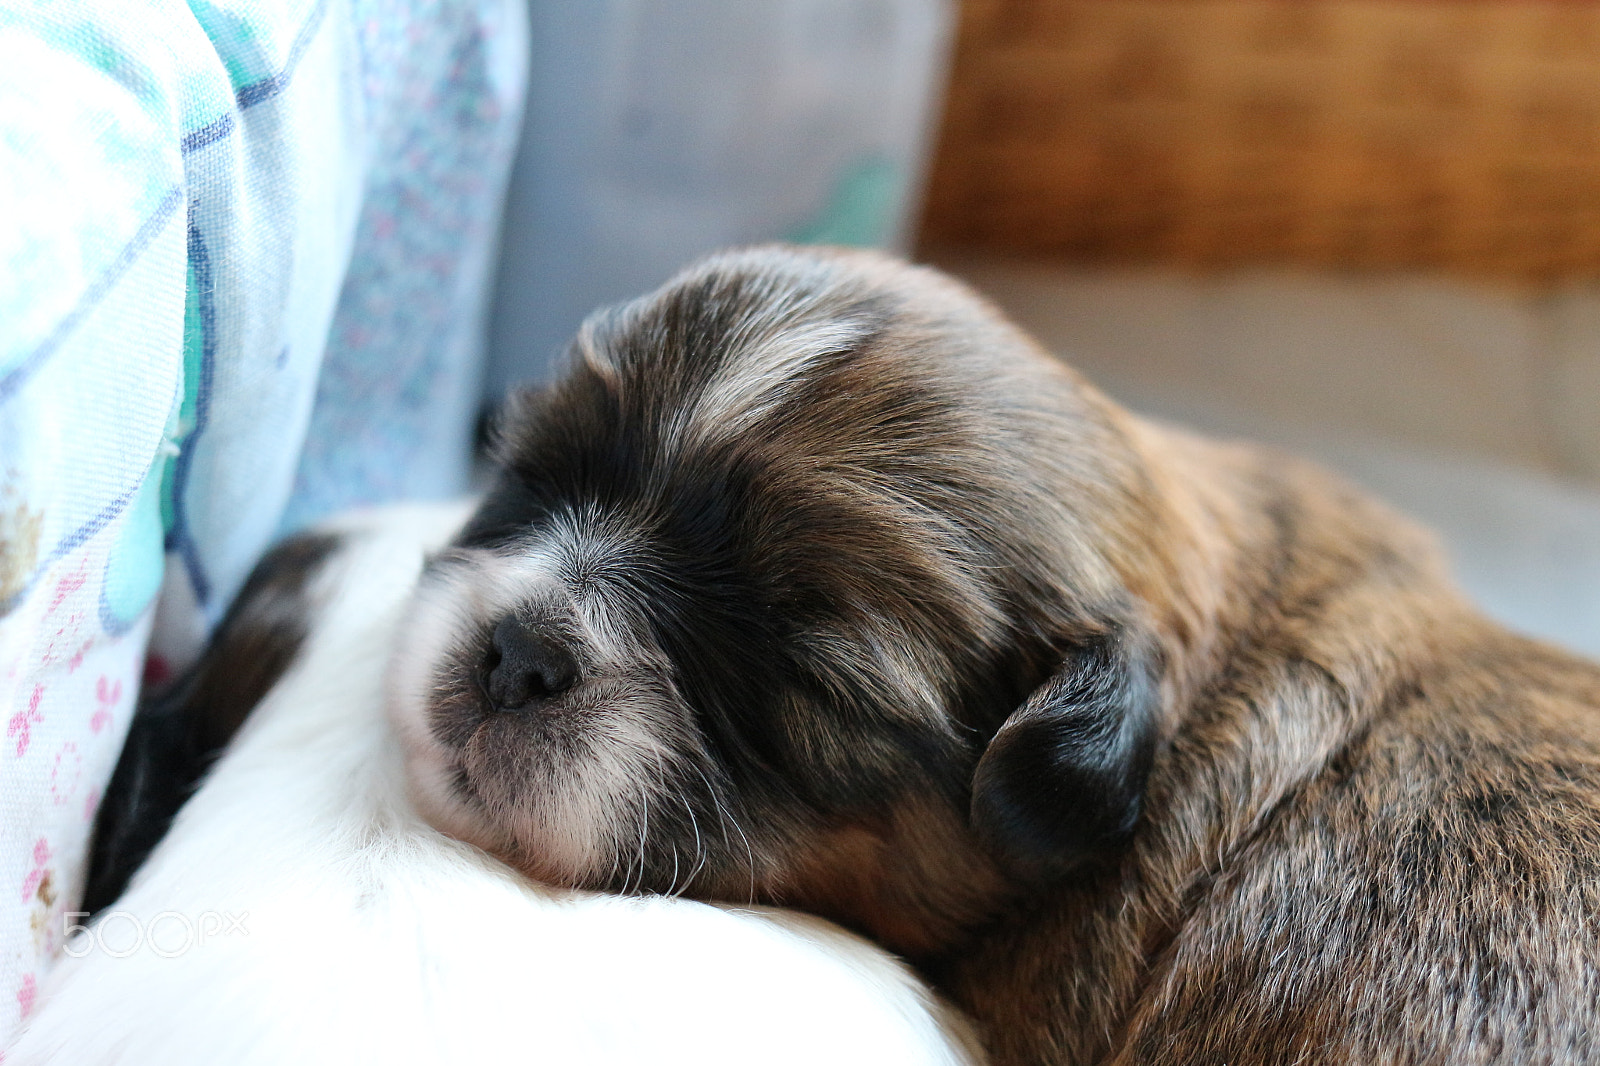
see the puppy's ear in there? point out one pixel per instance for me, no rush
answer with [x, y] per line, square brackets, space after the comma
[1062, 782]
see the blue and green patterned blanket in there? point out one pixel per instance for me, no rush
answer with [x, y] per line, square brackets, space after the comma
[243, 247]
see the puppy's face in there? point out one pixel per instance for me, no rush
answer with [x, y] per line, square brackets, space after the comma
[798, 542]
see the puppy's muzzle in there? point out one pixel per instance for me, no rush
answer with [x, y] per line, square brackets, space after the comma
[525, 665]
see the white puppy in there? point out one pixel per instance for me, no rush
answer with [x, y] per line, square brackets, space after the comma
[299, 911]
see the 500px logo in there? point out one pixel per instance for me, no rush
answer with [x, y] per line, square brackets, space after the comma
[168, 934]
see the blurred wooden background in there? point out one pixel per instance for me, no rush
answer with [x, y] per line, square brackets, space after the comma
[1454, 135]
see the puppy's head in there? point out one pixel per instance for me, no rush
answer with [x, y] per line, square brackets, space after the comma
[805, 583]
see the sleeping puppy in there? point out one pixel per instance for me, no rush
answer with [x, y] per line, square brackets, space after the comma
[815, 582]
[300, 912]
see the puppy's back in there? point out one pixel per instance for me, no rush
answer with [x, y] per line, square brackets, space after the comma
[1432, 896]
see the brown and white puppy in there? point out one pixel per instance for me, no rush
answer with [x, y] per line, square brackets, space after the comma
[816, 582]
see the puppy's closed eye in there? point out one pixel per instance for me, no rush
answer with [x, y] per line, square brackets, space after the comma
[1062, 782]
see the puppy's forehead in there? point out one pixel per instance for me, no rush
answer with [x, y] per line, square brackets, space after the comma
[714, 352]
[753, 360]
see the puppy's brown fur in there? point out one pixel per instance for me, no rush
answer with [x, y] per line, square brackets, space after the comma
[1150, 749]
[1373, 833]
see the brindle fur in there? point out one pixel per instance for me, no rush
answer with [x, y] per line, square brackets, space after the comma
[1278, 794]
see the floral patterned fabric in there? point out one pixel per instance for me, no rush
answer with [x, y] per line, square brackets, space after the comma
[243, 247]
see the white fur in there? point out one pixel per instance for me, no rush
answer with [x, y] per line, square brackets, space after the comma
[371, 938]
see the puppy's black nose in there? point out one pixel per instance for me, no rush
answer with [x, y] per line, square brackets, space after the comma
[524, 665]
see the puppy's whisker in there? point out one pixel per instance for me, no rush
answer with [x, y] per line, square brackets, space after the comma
[711, 794]
[644, 832]
[661, 784]
[699, 846]
[750, 855]
[700, 853]
[724, 819]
